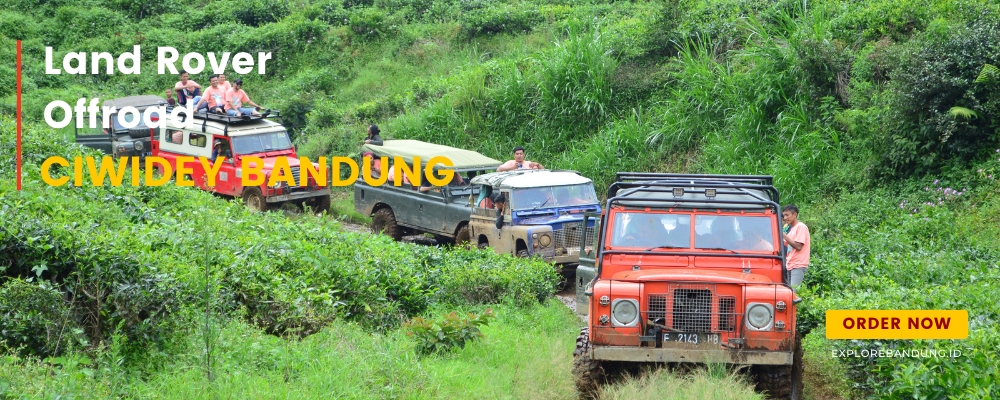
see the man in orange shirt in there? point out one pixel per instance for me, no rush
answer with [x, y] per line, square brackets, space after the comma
[235, 98]
[214, 97]
[798, 239]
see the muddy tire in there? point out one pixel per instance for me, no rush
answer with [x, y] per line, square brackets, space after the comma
[464, 237]
[523, 253]
[781, 382]
[588, 374]
[384, 221]
[483, 246]
[254, 199]
[319, 204]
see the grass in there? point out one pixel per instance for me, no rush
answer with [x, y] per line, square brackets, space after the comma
[825, 378]
[713, 382]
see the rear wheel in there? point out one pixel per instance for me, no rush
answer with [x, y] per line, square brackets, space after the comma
[588, 374]
[523, 253]
[464, 237]
[384, 221]
[781, 381]
[254, 199]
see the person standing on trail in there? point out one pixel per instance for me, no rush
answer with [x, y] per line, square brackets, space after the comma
[519, 162]
[798, 239]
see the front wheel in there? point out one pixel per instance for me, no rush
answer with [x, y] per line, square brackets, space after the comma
[319, 204]
[782, 381]
[254, 199]
[588, 374]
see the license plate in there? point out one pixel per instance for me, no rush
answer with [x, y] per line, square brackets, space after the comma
[692, 338]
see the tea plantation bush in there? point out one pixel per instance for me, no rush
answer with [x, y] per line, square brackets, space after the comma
[131, 256]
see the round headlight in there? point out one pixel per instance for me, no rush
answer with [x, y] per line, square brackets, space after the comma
[625, 312]
[759, 316]
[138, 145]
[534, 236]
[545, 240]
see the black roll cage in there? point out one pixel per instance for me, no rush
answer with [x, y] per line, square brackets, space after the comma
[651, 182]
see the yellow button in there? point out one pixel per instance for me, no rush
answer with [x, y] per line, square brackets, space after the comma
[897, 324]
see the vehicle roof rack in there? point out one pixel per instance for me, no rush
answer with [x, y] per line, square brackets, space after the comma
[650, 182]
[205, 116]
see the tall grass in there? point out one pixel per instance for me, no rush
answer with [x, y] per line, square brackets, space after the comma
[714, 382]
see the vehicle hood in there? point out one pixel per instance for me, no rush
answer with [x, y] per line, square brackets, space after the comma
[269, 161]
[690, 274]
[553, 216]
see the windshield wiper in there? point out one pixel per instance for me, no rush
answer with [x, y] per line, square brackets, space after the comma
[665, 247]
[543, 203]
[719, 248]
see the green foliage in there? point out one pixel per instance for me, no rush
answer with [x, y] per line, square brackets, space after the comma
[450, 333]
[489, 18]
[35, 320]
[371, 22]
[939, 74]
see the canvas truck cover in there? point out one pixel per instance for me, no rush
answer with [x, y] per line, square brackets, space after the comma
[408, 149]
[526, 178]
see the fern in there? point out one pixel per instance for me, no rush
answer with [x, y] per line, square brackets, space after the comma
[962, 112]
[989, 74]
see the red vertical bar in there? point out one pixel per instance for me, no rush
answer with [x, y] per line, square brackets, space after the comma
[18, 168]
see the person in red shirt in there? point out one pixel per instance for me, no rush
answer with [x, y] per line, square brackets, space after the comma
[214, 97]
[235, 98]
[798, 239]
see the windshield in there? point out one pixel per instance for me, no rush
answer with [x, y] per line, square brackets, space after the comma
[557, 196]
[260, 143]
[119, 118]
[722, 232]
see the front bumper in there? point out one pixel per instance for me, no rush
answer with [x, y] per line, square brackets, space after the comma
[297, 196]
[649, 354]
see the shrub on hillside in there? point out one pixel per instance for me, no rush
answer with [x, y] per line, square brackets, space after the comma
[937, 73]
[34, 320]
[500, 18]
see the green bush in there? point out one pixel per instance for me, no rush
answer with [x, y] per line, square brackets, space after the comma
[497, 18]
[16, 26]
[35, 321]
[451, 333]
[936, 74]
[371, 22]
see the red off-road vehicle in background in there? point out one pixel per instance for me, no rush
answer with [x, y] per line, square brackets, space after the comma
[239, 137]
[689, 269]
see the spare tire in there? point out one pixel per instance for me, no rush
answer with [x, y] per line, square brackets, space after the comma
[138, 133]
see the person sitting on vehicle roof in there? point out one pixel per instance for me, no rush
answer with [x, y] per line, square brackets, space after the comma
[187, 90]
[214, 97]
[235, 98]
[373, 135]
[170, 98]
[519, 162]
[223, 83]
[220, 148]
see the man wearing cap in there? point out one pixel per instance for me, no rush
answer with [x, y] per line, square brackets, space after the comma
[519, 162]
[221, 148]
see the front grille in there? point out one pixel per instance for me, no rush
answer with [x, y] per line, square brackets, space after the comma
[727, 313]
[296, 187]
[693, 307]
[692, 310]
[569, 237]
